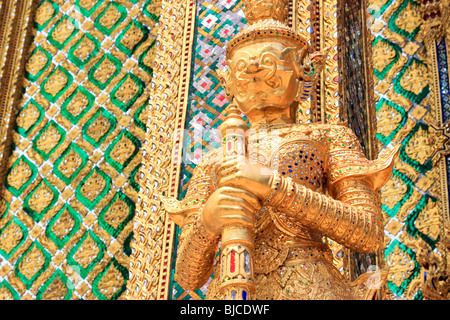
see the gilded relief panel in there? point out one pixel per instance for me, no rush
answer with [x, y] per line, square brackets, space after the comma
[70, 190]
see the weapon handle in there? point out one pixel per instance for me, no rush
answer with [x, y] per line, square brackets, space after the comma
[236, 270]
[236, 257]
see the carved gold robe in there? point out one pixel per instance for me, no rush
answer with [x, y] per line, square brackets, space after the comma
[291, 258]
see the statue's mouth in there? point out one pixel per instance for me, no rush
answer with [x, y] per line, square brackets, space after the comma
[258, 97]
[256, 74]
[266, 107]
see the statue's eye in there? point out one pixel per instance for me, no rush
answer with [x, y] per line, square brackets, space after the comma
[241, 65]
[267, 60]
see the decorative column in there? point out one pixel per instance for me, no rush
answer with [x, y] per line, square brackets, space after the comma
[154, 233]
[237, 243]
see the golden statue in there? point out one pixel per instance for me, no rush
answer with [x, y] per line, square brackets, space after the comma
[271, 196]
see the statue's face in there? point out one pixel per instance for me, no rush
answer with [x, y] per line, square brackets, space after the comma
[263, 76]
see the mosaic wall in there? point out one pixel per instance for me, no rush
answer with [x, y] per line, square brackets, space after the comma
[407, 112]
[217, 22]
[71, 187]
[354, 89]
[70, 191]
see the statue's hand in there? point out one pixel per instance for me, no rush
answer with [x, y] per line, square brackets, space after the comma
[255, 178]
[229, 206]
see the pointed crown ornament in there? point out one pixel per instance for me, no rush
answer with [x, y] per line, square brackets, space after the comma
[257, 10]
[266, 19]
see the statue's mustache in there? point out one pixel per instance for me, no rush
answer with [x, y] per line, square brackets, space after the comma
[258, 96]
[256, 74]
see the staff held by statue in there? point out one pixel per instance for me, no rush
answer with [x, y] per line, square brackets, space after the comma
[236, 276]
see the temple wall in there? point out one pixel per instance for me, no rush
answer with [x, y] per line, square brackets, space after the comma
[408, 58]
[70, 190]
[106, 95]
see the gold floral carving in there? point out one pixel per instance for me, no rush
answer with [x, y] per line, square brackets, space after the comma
[32, 262]
[409, 19]
[266, 10]
[415, 78]
[106, 68]
[36, 62]
[63, 30]
[114, 215]
[428, 222]
[93, 186]
[28, 116]
[15, 33]
[49, 139]
[63, 225]
[56, 291]
[87, 252]
[435, 17]
[389, 119]
[110, 18]
[394, 190]
[384, 55]
[10, 237]
[84, 49]
[111, 282]
[330, 96]
[56, 82]
[123, 150]
[19, 175]
[302, 23]
[43, 12]
[70, 164]
[86, 4]
[401, 266]
[41, 198]
[77, 104]
[132, 37]
[127, 91]
[98, 127]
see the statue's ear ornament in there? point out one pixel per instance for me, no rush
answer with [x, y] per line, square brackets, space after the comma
[312, 64]
[174, 208]
[318, 58]
[309, 68]
[288, 50]
[225, 80]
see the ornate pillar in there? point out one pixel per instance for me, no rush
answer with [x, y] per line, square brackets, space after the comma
[408, 56]
[16, 19]
[153, 233]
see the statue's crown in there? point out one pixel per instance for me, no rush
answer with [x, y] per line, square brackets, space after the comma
[258, 10]
[266, 21]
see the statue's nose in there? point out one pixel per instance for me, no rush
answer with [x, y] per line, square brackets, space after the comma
[253, 66]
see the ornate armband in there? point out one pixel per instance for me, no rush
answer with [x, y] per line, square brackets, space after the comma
[353, 219]
[195, 262]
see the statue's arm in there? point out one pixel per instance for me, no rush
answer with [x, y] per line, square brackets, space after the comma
[353, 218]
[351, 212]
[197, 248]
[196, 253]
